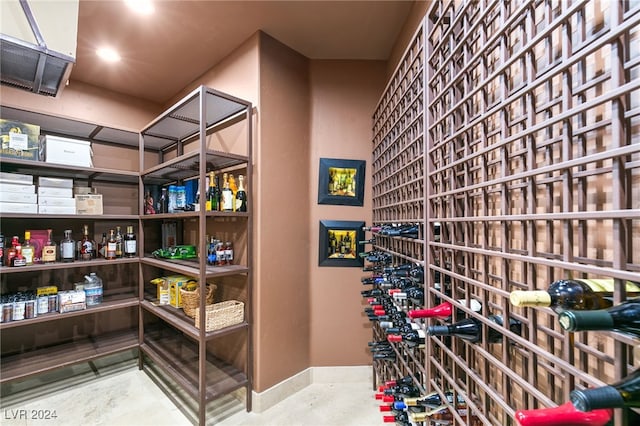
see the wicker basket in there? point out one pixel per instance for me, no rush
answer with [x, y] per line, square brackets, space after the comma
[221, 315]
[191, 299]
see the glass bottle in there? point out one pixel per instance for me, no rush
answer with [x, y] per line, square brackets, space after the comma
[227, 195]
[624, 317]
[432, 399]
[625, 393]
[28, 251]
[234, 191]
[212, 194]
[211, 251]
[102, 246]
[119, 243]
[130, 243]
[86, 246]
[444, 310]
[18, 259]
[228, 253]
[110, 252]
[470, 329]
[49, 251]
[67, 247]
[163, 202]
[241, 196]
[173, 196]
[565, 414]
[582, 294]
[11, 251]
[1, 248]
[221, 256]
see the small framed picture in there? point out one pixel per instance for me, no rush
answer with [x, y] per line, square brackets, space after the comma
[341, 182]
[338, 243]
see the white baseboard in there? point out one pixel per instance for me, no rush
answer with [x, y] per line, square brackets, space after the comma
[278, 392]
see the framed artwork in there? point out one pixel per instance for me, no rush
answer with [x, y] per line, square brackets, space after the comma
[341, 182]
[338, 243]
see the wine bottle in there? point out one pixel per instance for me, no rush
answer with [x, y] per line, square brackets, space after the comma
[227, 194]
[130, 243]
[438, 413]
[625, 393]
[433, 400]
[212, 196]
[411, 338]
[444, 310]
[624, 317]
[470, 329]
[241, 196]
[565, 414]
[582, 294]
[119, 243]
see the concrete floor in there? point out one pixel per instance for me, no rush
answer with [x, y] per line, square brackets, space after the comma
[122, 395]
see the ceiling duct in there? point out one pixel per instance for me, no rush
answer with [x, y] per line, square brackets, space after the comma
[38, 44]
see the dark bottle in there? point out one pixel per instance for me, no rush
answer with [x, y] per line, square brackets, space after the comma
[119, 242]
[130, 243]
[625, 393]
[406, 391]
[470, 329]
[11, 251]
[406, 380]
[565, 414]
[241, 196]
[407, 231]
[624, 317]
[163, 202]
[433, 400]
[1, 248]
[411, 338]
[102, 246]
[212, 194]
[583, 294]
[399, 419]
[18, 259]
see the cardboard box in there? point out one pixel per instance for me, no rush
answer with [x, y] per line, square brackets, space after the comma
[16, 178]
[38, 240]
[57, 201]
[44, 209]
[18, 197]
[19, 140]
[14, 187]
[55, 182]
[18, 208]
[47, 191]
[89, 204]
[82, 190]
[175, 283]
[72, 300]
[72, 152]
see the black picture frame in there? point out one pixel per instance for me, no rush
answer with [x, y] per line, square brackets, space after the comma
[331, 252]
[341, 182]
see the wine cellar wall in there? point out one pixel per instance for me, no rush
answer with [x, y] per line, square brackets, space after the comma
[510, 132]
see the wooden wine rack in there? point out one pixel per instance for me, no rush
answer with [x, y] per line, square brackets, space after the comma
[514, 127]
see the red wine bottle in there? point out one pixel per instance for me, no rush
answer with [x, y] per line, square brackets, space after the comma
[624, 317]
[470, 329]
[565, 414]
[625, 393]
[411, 338]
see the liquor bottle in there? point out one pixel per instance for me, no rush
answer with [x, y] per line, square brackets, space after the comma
[470, 329]
[11, 251]
[119, 243]
[102, 246]
[211, 251]
[565, 414]
[67, 247]
[49, 251]
[221, 256]
[212, 194]
[130, 243]
[625, 393]
[163, 202]
[228, 253]
[582, 294]
[234, 190]
[18, 259]
[227, 195]
[241, 195]
[86, 246]
[28, 250]
[624, 317]
[110, 251]
[445, 310]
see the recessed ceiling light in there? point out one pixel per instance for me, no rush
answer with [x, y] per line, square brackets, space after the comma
[143, 7]
[108, 54]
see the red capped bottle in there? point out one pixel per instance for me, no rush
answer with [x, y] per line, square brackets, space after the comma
[565, 414]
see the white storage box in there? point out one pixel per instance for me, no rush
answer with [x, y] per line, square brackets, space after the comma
[16, 178]
[18, 208]
[14, 187]
[72, 152]
[46, 191]
[57, 201]
[44, 209]
[18, 197]
[55, 182]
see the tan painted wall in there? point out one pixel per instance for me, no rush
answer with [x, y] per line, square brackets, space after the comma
[414, 19]
[343, 97]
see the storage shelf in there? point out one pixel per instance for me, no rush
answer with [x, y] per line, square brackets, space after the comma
[102, 217]
[179, 320]
[192, 268]
[188, 166]
[21, 365]
[187, 215]
[41, 168]
[178, 357]
[109, 303]
[69, 265]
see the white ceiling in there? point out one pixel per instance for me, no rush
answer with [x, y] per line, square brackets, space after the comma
[164, 52]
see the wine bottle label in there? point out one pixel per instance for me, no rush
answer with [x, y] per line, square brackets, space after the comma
[49, 254]
[130, 246]
[530, 298]
[228, 255]
[66, 250]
